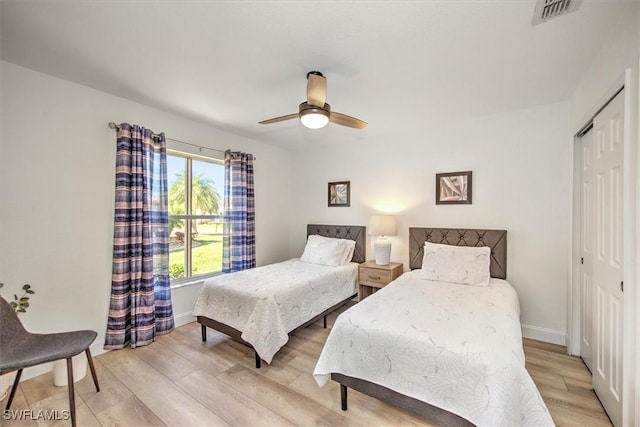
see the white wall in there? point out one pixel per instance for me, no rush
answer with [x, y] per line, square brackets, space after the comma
[617, 63]
[619, 53]
[57, 196]
[521, 165]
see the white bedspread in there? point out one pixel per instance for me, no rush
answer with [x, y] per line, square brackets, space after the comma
[266, 303]
[454, 346]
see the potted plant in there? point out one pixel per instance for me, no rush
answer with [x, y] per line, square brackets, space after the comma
[19, 305]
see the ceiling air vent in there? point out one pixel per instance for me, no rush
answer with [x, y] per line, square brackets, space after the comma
[547, 9]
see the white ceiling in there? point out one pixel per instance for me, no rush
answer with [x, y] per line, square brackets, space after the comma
[398, 65]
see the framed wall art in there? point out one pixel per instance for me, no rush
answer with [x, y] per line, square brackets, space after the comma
[339, 193]
[453, 188]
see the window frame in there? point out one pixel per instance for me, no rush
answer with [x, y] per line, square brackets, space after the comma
[189, 278]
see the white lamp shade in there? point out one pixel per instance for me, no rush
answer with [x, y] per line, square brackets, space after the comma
[383, 225]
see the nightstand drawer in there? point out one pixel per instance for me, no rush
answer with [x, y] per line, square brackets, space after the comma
[375, 277]
[372, 277]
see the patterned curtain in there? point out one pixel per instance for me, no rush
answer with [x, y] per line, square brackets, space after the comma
[239, 229]
[140, 294]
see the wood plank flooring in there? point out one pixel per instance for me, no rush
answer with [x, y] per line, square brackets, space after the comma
[181, 381]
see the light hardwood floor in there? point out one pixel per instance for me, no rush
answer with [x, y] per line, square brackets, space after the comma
[181, 381]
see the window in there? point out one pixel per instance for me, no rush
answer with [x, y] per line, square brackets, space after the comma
[196, 191]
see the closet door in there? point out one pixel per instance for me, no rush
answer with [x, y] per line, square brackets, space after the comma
[607, 258]
[587, 219]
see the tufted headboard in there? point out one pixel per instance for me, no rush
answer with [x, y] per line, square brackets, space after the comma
[351, 232]
[495, 239]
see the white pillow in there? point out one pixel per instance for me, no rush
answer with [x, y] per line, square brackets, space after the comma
[456, 264]
[349, 248]
[327, 251]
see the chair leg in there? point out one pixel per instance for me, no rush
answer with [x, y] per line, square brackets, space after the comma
[14, 388]
[93, 369]
[72, 396]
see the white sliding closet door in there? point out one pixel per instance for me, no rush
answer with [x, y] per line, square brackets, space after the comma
[606, 239]
[587, 220]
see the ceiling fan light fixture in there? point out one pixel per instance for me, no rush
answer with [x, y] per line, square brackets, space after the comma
[314, 118]
[315, 113]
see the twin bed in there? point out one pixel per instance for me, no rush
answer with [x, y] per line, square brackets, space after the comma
[441, 341]
[261, 307]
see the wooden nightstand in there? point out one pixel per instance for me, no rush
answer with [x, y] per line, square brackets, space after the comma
[372, 277]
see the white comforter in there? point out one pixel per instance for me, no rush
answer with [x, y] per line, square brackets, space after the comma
[266, 303]
[456, 347]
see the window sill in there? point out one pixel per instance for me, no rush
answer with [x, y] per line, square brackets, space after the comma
[176, 284]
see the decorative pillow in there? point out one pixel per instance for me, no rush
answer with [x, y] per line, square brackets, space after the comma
[327, 251]
[456, 264]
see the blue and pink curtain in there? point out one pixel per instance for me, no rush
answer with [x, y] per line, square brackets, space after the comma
[239, 230]
[140, 305]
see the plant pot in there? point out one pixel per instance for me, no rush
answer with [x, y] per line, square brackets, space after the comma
[6, 381]
[60, 370]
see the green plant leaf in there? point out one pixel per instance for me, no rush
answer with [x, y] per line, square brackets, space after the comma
[20, 304]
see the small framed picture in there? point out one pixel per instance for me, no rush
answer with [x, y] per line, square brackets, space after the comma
[453, 188]
[339, 193]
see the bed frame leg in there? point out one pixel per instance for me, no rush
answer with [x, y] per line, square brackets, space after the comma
[204, 333]
[258, 360]
[324, 321]
[343, 396]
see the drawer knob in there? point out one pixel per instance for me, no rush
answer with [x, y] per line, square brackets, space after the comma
[374, 277]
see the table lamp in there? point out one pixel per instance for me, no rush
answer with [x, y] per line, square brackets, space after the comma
[382, 225]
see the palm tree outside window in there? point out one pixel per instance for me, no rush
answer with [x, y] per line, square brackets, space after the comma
[195, 215]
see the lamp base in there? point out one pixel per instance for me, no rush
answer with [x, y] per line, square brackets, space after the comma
[382, 249]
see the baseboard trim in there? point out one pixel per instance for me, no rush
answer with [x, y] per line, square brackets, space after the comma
[183, 318]
[552, 336]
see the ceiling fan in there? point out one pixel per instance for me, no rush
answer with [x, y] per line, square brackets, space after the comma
[315, 113]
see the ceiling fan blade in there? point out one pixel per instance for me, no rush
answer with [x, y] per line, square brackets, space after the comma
[279, 119]
[316, 89]
[344, 120]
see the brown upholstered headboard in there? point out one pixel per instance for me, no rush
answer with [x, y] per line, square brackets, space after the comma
[351, 232]
[495, 239]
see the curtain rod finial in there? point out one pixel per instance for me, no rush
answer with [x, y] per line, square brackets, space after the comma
[112, 125]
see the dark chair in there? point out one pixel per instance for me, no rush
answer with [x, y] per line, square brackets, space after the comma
[21, 349]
